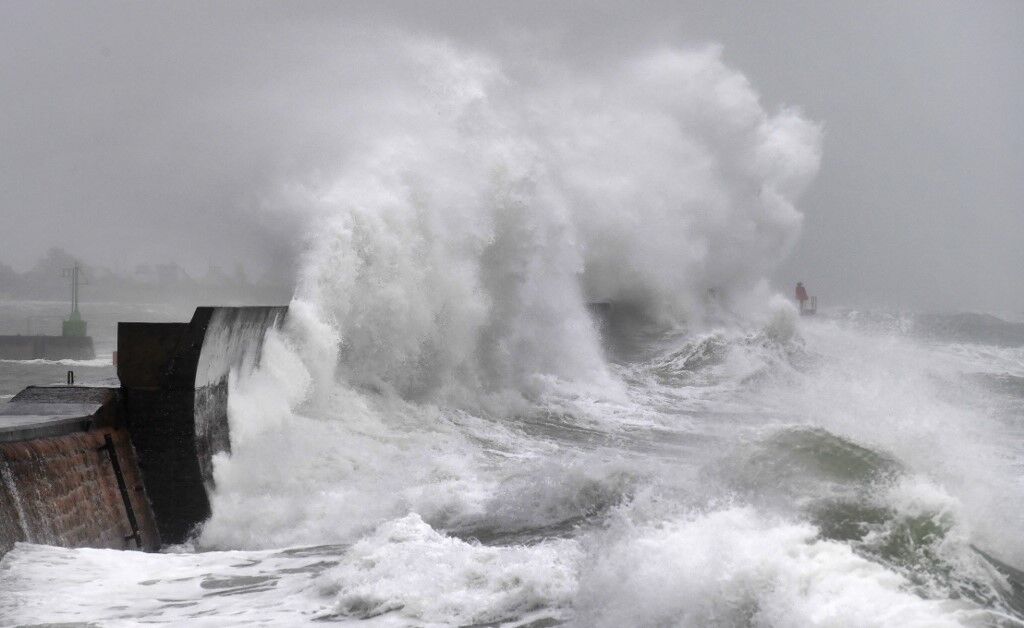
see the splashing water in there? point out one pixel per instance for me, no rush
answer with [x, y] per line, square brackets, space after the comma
[443, 434]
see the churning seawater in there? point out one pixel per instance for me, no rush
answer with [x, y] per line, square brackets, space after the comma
[443, 435]
[845, 471]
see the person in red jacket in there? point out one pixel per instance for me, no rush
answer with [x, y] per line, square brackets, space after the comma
[801, 294]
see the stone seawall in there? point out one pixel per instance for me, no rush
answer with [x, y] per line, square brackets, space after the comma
[174, 378]
[128, 467]
[68, 474]
[63, 491]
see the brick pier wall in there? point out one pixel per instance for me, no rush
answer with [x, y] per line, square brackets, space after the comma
[63, 491]
[166, 421]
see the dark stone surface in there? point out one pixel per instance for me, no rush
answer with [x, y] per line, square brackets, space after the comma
[174, 387]
[145, 351]
[156, 364]
[161, 427]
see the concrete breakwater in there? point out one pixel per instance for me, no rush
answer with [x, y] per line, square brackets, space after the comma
[46, 348]
[128, 467]
[68, 474]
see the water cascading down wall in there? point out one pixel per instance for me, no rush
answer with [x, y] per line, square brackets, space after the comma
[128, 467]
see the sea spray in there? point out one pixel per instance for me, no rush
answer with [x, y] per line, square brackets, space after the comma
[440, 381]
[737, 567]
[441, 434]
[449, 267]
[456, 254]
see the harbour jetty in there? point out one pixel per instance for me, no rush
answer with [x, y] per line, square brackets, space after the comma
[72, 344]
[18, 347]
[128, 467]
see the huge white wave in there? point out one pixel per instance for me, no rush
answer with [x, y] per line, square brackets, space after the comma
[439, 381]
[451, 257]
[455, 251]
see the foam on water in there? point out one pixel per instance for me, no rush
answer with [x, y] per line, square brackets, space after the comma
[897, 395]
[446, 275]
[444, 435]
[403, 571]
[737, 567]
[728, 566]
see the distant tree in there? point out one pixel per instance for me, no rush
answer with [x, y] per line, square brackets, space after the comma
[170, 274]
[215, 276]
[10, 280]
[52, 265]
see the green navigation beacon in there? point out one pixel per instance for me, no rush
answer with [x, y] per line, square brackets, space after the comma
[74, 326]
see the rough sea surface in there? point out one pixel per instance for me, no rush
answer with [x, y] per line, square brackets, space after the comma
[443, 435]
[844, 470]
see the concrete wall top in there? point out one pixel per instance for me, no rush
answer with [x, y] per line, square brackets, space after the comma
[44, 411]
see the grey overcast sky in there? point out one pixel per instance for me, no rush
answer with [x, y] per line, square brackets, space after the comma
[148, 131]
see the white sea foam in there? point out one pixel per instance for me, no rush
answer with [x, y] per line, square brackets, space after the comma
[407, 567]
[910, 399]
[449, 267]
[733, 566]
[736, 567]
[455, 256]
[210, 589]
[402, 574]
[439, 379]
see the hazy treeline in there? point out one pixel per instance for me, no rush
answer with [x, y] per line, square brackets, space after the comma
[167, 282]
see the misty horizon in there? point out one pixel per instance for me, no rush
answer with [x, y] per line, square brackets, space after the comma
[158, 133]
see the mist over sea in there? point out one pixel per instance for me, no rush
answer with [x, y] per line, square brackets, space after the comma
[443, 433]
